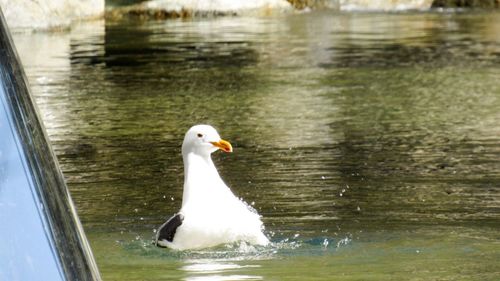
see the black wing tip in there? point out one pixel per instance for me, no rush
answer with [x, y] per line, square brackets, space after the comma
[166, 231]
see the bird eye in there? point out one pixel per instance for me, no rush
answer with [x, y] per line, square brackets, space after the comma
[200, 135]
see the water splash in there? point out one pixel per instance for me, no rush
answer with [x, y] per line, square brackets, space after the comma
[239, 251]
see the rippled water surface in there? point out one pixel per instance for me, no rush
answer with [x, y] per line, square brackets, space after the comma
[368, 142]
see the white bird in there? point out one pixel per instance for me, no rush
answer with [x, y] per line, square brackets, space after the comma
[210, 214]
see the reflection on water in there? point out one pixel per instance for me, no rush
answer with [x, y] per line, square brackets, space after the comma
[211, 270]
[367, 141]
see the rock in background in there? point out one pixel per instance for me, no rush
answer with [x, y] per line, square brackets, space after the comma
[393, 5]
[48, 14]
[384, 5]
[466, 4]
[162, 9]
[57, 14]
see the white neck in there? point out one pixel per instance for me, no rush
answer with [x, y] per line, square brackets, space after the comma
[200, 178]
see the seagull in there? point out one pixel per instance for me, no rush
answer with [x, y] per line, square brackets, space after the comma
[210, 214]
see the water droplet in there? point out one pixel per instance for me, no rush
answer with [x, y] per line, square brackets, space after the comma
[172, 198]
[343, 242]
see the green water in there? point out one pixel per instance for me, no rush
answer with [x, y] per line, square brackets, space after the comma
[370, 143]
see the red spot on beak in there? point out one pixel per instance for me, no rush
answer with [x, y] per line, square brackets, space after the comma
[223, 145]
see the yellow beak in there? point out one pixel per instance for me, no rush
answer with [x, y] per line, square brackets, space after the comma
[223, 145]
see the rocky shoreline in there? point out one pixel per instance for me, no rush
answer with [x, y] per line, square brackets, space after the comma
[483, 4]
[59, 14]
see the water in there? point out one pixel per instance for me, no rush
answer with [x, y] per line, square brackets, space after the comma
[369, 142]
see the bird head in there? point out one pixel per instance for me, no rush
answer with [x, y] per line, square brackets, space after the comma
[203, 140]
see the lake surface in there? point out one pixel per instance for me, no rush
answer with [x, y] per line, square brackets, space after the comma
[369, 143]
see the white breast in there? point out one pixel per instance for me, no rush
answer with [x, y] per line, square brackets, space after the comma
[212, 214]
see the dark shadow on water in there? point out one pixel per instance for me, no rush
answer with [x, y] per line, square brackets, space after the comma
[161, 48]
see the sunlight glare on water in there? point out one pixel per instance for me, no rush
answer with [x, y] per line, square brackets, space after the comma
[368, 142]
